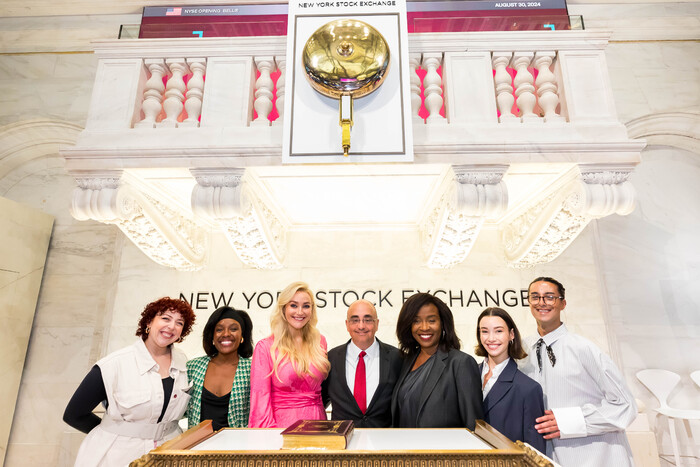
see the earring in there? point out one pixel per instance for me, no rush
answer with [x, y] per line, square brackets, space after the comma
[242, 340]
[180, 339]
[443, 333]
[511, 342]
[148, 329]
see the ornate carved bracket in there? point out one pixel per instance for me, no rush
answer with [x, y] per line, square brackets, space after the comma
[165, 235]
[548, 227]
[449, 231]
[256, 234]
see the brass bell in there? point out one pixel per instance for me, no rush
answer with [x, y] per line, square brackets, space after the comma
[346, 59]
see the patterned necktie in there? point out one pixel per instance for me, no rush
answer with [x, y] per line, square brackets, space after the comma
[550, 354]
[360, 390]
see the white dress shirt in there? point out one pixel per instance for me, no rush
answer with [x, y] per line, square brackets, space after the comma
[589, 398]
[371, 367]
[497, 370]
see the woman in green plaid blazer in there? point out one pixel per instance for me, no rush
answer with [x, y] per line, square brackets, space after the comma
[221, 379]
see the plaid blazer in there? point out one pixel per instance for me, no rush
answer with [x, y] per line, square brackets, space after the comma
[239, 403]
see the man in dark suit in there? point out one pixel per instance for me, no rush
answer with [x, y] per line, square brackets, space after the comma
[366, 401]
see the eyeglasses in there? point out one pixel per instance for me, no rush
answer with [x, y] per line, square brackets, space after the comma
[549, 299]
[355, 321]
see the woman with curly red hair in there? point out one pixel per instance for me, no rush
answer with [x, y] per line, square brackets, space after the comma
[144, 388]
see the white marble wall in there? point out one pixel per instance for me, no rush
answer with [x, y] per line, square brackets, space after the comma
[649, 260]
[95, 284]
[650, 264]
[654, 77]
[47, 86]
[66, 335]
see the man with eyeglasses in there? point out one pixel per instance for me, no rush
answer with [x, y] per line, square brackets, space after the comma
[363, 372]
[587, 400]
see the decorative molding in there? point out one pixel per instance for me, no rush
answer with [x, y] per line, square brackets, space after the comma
[606, 177]
[248, 238]
[507, 456]
[478, 178]
[548, 226]
[29, 140]
[209, 47]
[556, 226]
[93, 181]
[454, 222]
[481, 190]
[677, 129]
[275, 229]
[165, 235]
[217, 194]
[256, 234]
[216, 177]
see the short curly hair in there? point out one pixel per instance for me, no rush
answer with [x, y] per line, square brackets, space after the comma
[159, 307]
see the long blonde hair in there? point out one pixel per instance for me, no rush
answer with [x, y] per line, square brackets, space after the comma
[283, 347]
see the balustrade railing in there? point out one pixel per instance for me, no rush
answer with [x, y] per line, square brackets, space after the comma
[497, 80]
[525, 86]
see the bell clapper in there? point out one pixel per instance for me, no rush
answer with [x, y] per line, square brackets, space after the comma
[346, 121]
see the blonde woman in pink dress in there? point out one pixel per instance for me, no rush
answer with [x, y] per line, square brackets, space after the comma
[290, 365]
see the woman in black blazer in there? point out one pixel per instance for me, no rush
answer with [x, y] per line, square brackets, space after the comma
[439, 386]
[512, 401]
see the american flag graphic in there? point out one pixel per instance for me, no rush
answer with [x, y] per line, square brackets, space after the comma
[173, 12]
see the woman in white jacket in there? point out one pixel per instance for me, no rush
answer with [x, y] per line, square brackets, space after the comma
[144, 387]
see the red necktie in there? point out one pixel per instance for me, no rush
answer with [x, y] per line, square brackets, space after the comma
[360, 390]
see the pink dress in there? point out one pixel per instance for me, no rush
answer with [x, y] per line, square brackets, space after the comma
[278, 404]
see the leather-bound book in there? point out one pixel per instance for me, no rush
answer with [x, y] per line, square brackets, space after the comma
[318, 434]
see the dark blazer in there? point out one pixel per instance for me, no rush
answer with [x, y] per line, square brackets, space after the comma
[335, 388]
[451, 395]
[513, 404]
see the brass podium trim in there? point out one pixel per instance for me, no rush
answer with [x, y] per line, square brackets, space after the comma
[177, 453]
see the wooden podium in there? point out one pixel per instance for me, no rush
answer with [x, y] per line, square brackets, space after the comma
[368, 447]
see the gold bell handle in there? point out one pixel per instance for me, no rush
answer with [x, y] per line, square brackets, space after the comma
[346, 121]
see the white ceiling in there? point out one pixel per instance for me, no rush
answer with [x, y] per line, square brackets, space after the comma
[361, 197]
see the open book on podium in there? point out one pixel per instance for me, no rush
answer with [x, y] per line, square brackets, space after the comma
[318, 434]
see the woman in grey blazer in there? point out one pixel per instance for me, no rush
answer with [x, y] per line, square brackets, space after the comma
[439, 385]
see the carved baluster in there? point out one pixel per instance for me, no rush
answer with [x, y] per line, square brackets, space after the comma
[413, 64]
[547, 86]
[504, 89]
[432, 84]
[263, 91]
[153, 94]
[174, 92]
[524, 87]
[195, 91]
[281, 83]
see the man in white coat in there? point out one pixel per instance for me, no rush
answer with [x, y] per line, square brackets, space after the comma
[587, 400]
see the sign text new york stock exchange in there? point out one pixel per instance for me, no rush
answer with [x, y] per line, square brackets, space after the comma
[342, 298]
